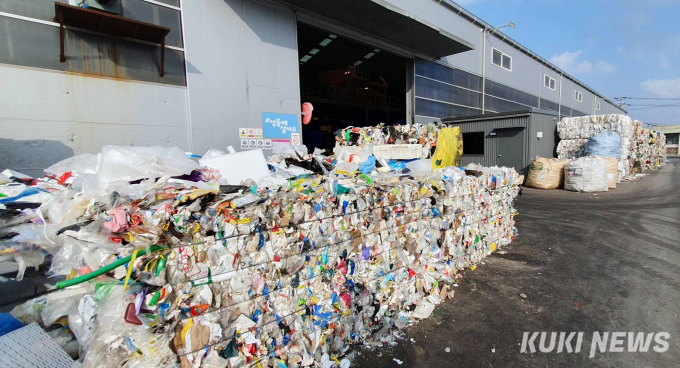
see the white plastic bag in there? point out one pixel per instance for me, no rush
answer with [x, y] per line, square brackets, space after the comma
[133, 163]
[86, 163]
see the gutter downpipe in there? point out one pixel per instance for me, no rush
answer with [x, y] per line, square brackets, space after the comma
[559, 105]
[483, 68]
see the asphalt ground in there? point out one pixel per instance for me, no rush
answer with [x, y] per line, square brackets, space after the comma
[605, 262]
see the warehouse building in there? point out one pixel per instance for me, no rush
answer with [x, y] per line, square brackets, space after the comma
[212, 73]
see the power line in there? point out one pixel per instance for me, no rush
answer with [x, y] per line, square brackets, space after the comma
[648, 98]
[655, 106]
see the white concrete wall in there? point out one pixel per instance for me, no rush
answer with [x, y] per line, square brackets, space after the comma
[47, 116]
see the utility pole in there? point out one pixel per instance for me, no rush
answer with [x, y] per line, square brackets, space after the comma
[623, 97]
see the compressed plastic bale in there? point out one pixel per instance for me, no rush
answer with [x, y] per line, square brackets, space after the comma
[604, 144]
[234, 272]
[571, 148]
[449, 148]
[612, 171]
[586, 174]
[546, 173]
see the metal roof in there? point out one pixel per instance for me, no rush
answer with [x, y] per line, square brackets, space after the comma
[389, 22]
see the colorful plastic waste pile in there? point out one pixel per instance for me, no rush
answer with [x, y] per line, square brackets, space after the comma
[651, 148]
[424, 135]
[179, 269]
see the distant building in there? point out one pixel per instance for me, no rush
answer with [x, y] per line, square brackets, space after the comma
[672, 133]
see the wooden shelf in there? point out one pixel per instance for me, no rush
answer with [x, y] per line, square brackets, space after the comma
[108, 24]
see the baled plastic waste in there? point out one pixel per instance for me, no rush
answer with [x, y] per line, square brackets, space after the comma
[287, 270]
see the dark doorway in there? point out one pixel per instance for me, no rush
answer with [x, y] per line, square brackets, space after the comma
[349, 83]
[510, 148]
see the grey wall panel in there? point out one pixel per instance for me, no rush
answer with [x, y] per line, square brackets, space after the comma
[38, 9]
[29, 44]
[525, 70]
[158, 15]
[37, 45]
[546, 92]
[544, 146]
[242, 61]
[47, 116]
[490, 156]
[170, 2]
[567, 93]
[587, 105]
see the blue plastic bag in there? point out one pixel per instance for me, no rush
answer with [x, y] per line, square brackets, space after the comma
[397, 165]
[604, 144]
[368, 165]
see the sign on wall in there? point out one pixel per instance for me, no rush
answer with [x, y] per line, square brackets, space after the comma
[279, 125]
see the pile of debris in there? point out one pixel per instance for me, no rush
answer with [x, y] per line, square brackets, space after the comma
[420, 134]
[165, 262]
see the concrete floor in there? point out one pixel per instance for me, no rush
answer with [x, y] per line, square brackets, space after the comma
[601, 262]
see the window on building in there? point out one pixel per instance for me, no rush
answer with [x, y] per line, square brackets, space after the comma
[501, 59]
[597, 105]
[549, 82]
[578, 96]
[672, 138]
[473, 143]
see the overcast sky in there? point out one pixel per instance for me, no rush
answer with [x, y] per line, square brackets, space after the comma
[610, 45]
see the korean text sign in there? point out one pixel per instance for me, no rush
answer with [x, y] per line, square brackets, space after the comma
[279, 125]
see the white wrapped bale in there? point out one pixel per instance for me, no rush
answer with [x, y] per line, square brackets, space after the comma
[586, 174]
[571, 148]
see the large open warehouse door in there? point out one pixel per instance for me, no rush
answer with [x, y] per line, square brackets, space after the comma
[349, 84]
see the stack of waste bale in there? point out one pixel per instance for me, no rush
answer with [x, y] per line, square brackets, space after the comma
[169, 264]
[425, 135]
[651, 148]
[574, 133]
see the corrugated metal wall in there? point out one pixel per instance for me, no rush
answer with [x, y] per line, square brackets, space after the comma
[490, 157]
[545, 146]
[532, 146]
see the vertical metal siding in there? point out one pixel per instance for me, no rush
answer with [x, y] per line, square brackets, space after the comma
[545, 146]
[490, 157]
[532, 146]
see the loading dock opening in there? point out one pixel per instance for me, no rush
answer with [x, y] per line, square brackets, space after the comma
[349, 83]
